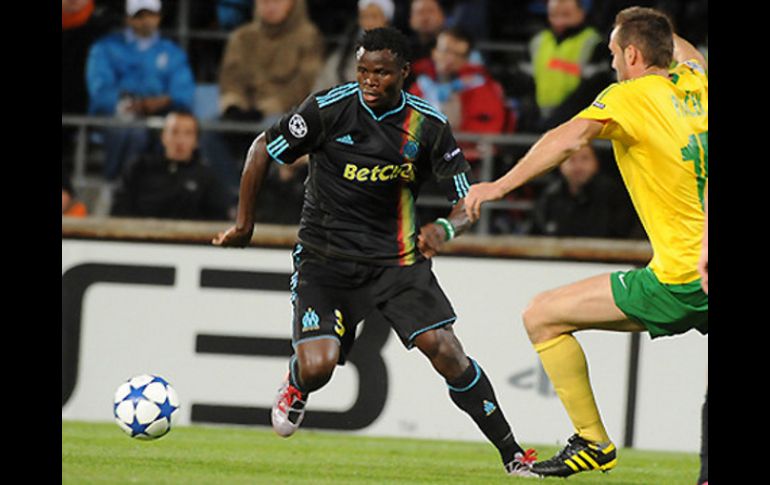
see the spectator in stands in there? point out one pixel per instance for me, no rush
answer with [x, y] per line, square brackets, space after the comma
[70, 205]
[134, 74]
[340, 66]
[281, 198]
[269, 66]
[472, 101]
[426, 19]
[174, 184]
[584, 202]
[472, 16]
[271, 63]
[568, 62]
[82, 22]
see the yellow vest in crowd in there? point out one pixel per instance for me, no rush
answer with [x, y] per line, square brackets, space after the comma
[558, 66]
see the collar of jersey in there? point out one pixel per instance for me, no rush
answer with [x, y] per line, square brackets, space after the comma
[380, 118]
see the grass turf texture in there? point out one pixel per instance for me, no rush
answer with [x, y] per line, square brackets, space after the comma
[101, 453]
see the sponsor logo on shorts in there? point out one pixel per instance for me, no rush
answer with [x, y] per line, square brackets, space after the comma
[622, 279]
[489, 407]
[310, 320]
[379, 173]
[598, 105]
[339, 328]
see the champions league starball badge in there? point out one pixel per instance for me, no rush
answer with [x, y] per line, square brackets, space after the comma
[297, 126]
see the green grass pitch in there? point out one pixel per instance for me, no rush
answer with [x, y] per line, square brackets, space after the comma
[101, 453]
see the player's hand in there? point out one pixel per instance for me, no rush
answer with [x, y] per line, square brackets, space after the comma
[431, 238]
[234, 237]
[480, 193]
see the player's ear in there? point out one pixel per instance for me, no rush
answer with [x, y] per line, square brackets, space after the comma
[406, 69]
[631, 55]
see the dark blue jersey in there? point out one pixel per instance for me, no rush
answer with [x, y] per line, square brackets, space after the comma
[366, 171]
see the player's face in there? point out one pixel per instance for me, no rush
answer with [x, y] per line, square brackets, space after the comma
[618, 59]
[380, 78]
[179, 137]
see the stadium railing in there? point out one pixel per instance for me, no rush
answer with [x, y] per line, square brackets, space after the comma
[486, 146]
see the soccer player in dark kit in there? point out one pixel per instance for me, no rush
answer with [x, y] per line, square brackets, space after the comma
[360, 249]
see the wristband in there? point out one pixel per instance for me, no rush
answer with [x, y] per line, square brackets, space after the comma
[449, 229]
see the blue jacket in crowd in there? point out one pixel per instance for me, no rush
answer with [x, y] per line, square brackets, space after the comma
[124, 64]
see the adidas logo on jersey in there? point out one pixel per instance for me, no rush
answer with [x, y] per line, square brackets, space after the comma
[347, 140]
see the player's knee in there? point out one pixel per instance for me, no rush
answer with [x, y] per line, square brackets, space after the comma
[316, 365]
[444, 351]
[534, 316]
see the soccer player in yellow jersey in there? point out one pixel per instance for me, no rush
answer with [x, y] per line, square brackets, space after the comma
[657, 119]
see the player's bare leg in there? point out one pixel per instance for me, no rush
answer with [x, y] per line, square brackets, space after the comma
[550, 320]
[471, 391]
[310, 368]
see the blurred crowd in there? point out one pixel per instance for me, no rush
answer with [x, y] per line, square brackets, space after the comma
[492, 67]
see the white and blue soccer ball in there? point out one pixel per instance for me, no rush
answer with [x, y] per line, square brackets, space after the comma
[146, 407]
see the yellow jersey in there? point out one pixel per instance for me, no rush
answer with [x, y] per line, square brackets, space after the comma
[659, 132]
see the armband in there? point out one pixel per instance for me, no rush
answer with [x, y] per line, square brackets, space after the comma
[449, 229]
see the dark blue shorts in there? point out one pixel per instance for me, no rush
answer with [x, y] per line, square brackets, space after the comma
[330, 297]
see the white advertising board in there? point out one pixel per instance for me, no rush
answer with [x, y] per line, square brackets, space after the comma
[216, 323]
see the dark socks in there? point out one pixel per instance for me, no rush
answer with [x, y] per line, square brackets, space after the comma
[294, 376]
[472, 392]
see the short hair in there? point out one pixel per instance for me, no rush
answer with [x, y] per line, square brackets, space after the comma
[389, 38]
[460, 34]
[650, 31]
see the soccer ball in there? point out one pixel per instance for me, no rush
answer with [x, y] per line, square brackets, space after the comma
[146, 407]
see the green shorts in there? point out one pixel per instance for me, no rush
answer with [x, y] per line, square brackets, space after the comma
[664, 309]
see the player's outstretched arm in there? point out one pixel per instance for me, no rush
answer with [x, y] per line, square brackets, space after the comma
[550, 150]
[684, 51]
[253, 174]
